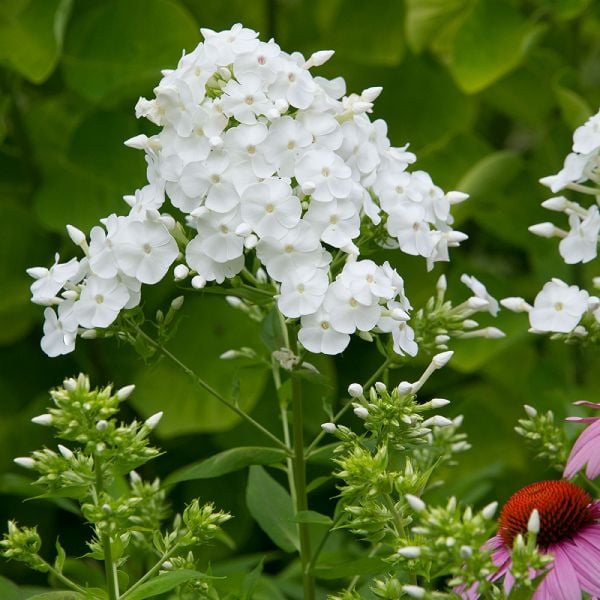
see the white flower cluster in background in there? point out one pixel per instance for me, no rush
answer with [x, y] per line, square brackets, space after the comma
[260, 157]
[560, 307]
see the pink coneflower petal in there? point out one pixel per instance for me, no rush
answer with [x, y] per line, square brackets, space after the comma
[561, 582]
[586, 403]
[586, 559]
[585, 450]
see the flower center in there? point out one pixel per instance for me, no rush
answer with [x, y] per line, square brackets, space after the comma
[564, 509]
[558, 306]
[249, 99]
[99, 299]
[261, 60]
[147, 248]
[269, 208]
[325, 172]
[325, 325]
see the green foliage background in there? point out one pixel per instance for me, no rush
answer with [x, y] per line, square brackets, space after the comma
[486, 91]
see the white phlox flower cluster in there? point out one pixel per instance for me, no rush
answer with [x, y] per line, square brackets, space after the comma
[261, 158]
[560, 307]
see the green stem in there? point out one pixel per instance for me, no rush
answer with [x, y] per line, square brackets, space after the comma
[584, 189]
[311, 448]
[150, 573]
[63, 579]
[109, 565]
[319, 548]
[205, 386]
[299, 467]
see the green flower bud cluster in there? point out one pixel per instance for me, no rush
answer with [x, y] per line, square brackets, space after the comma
[448, 541]
[23, 544]
[127, 526]
[545, 438]
[525, 557]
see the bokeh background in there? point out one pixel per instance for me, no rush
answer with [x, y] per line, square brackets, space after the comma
[487, 92]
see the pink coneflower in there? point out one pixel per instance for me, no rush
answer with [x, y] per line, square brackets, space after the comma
[569, 531]
[587, 447]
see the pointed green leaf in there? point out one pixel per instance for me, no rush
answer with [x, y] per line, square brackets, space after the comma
[8, 590]
[313, 517]
[271, 506]
[490, 42]
[226, 462]
[163, 583]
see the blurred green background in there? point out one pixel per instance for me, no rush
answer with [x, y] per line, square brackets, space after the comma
[486, 91]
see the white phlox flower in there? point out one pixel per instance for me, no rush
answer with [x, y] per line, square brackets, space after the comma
[558, 307]
[259, 163]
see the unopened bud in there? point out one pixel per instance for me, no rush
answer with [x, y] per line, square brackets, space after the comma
[533, 525]
[181, 272]
[198, 282]
[308, 187]
[410, 551]
[65, 452]
[404, 387]
[437, 421]
[493, 333]
[477, 303]
[355, 390]
[318, 58]
[515, 304]
[243, 229]
[167, 565]
[328, 427]
[531, 412]
[102, 425]
[438, 402]
[44, 419]
[250, 241]
[361, 412]
[470, 324]
[380, 386]
[77, 236]
[414, 591]
[371, 94]
[441, 360]
[442, 284]
[229, 355]
[134, 477]
[441, 339]
[153, 421]
[415, 503]
[177, 303]
[489, 510]
[215, 141]
[546, 230]
[25, 461]
[558, 203]
[281, 105]
[455, 197]
[466, 552]
[125, 392]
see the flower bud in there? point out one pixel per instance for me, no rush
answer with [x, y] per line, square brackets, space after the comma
[558, 203]
[515, 304]
[177, 303]
[533, 524]
[470, 324]
[102, 425]
[77, 236]
[466, 552]
[89, 334]
[439, 402]
[455, 197]
[243, 229]
[415, 503]
[153, 421]
[134, 477]
[380, 386]
[361, 412]
[44, 419]
[414, 591]
[281, 105]
[329, 427]
[229, 354]
[181, 272]
[318, 58]
[66, 452]
[125, 392]
[355, 390]
[489, 510]
[476, 303]
[371, 93]
[531, 412]
[250, 241]
[308, 187]
[404, 387]
[546, 230]
[167, 565]
[437, 421]
[441, 360]
[37, 272]
[198, 282]
[215, 141]
[25, 461]
[410, 551]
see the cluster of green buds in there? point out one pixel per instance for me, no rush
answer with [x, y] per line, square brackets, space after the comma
[126, 519]
[394, 456]
[545, 438]
[448, 541]
[439, 320]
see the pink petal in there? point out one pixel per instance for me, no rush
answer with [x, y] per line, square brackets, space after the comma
[561, 583]
[586, 403]
[585, 559]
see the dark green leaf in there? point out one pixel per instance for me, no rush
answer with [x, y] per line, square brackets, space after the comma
[31, 38]
[490, 42]
[251, 580]
[313, 517]
[575, 109]
[426, 18]
[61, 596]
[8, 590]
[226, 462]
[163, 583]
[209, 327]
[59, 563]
[271, 506]
[113, 50]
[350, 568]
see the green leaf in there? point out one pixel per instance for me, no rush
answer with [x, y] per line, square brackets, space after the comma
[61, 556]
[313, 517]
[575, 109]
[251, 580]
[226, 462]
[349, 568]
[271, 332]
[209, 327]
[490, 42]
[8, 590]
[31, 38]
[425, 19]
[112, 50]
[163, 583]
[271, 506]
[61, 596]
[490, 173]
[89, 181]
